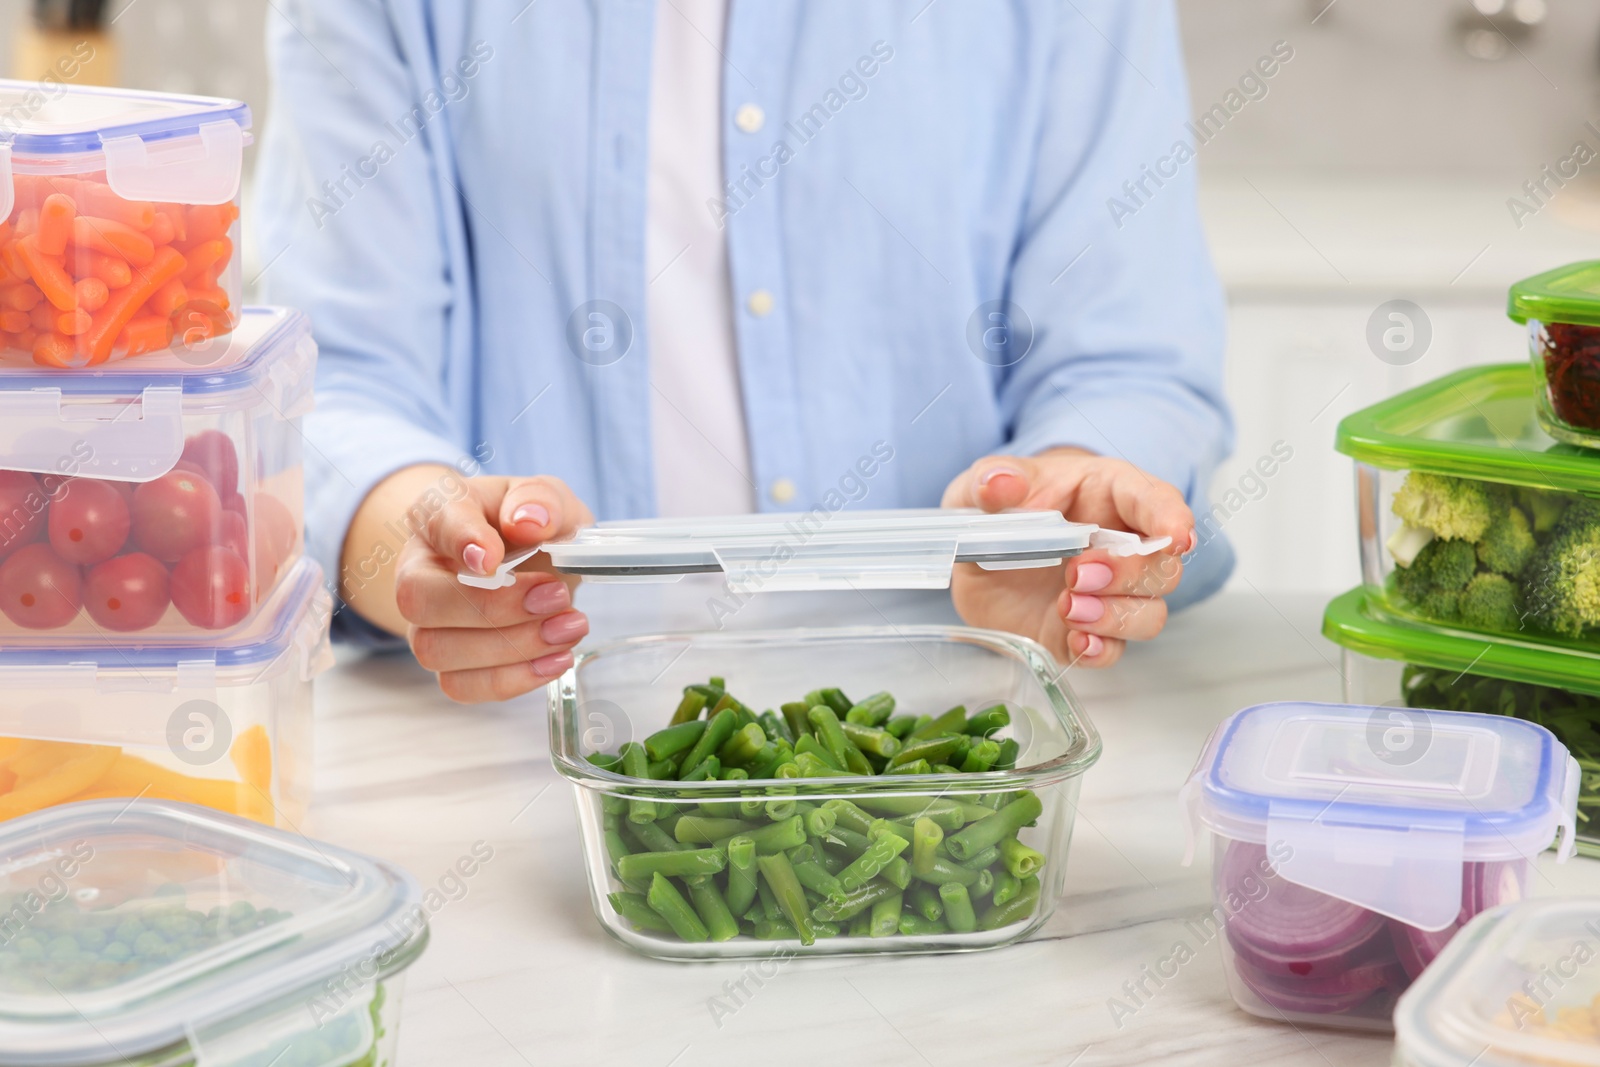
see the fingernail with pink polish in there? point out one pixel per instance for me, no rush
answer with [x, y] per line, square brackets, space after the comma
[1194, 540]
[1093, 647]
[1085, 608]
[565, 628]
[552, 665]
[1091, 578]
[537, 514]
[994, 472]
[473, 556]
[546, 598]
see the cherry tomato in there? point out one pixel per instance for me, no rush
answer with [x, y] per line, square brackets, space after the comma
[174, 514]
[126, 593]
[89, 521]
[211, 587]
[234, 534]
[213, 452]
[38, 589]
[22, 509]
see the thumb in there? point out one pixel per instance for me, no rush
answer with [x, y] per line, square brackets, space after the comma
[539, 509]
[993, 483]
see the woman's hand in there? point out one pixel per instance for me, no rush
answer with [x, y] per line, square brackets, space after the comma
[1087, 609]
[484, 644]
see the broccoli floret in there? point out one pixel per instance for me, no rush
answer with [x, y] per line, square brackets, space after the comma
[1490, 602]
[1543, 508]
[1562, 582]
[1508, 544]
[1455, 509]
[1442, 567]
[1442, 605]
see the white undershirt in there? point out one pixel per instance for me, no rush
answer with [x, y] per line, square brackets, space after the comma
[702, 456]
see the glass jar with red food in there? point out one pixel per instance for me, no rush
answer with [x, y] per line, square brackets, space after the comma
[1561, 309]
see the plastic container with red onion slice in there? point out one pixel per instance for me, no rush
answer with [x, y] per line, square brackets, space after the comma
[1351, 843]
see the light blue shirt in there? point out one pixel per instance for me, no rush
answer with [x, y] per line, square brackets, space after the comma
[969, 217]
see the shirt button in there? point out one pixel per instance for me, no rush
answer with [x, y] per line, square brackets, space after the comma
[782, 491]
[759, 303]
[750, 118]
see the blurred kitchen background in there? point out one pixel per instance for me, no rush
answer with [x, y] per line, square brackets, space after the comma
[1377, 166]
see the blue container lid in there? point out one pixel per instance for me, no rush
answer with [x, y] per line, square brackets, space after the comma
[52, 118]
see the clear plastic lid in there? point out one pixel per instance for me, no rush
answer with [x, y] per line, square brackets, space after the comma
[133, 927]
[1517, 986]
[124, 421]
[907, 549]
[1381, 806]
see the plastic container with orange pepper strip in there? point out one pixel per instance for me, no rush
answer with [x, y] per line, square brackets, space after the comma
[225, 723]
[136, 191]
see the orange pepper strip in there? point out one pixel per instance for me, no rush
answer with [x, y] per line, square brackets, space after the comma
[9, 747]
[92, 293]
[144, 333]
[32, 757]
[7, 780]
[54, 350]
[113, 238]
[47, 273]
[134, 773]
[205, 255]
[252, 756]
[119, 310]
[73, 775]
[97, 199]
[55, 223]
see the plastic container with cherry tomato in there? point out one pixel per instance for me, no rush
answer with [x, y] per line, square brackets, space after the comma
[158, 496]
[119, 221]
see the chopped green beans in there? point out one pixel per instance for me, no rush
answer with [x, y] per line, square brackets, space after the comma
[741, 851]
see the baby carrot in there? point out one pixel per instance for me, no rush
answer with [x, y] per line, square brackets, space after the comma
[43, 316]
[113, 238]
[206, 222]
[161, 231]
[53, 350]
[144, 333]
[168, 298]
[55, 223]
[23, 342]
[98, 200]
[204, 256]
[22, 296]
[73, 322]
[13, 262]
[179, 219]
[14, 321]
[92, 293]
[109, 269]
[47, 273]
[165, 265]
[27, 221]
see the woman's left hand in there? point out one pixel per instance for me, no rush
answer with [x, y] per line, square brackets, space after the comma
[1087, 609]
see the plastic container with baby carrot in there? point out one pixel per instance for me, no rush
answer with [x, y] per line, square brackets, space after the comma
[119, 221]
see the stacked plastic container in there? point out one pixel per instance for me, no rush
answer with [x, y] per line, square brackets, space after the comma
[159, 624]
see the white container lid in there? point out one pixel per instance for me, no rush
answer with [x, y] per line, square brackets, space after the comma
[124, 421]
[245, 925]
[1517, 986]
[906, 549]
[1382, 806]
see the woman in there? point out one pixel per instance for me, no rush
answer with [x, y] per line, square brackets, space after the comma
[577, 259]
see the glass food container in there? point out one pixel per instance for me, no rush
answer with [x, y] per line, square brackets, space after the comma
[1517, 987]
[157, 496]
[1471, 517]
[1561, 309]
[1394, 663]
[119, 220]
[1350, 844]
[870, 862]
[221, 722]
[156, 934]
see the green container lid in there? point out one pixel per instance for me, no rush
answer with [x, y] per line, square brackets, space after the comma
[1475, 423]
[1566, 294]
[1359, 622]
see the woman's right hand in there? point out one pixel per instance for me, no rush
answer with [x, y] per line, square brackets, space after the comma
[484, 644]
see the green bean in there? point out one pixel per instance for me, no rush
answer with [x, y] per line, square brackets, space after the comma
[979, 860]
[826, 723]
[789, 769]
[716, 734]
[825, 929]
[794, 713]
[849, 840]
[702, 830]
[812, 766]
[836, 700]
[855, 903]
[767, 767]
[813, 875]
[958, 908]
[916, 766]
[867, 865]
[769, 903]
[947, 813]
[830, 859]
[861, 925]
[652, 838]
[613, 805]
[717, 681]
[773, 930]
[925, 901]
[901, 725]
[743, 746]
[819, 821]
[674, 739]
[932, 749]
[735, 774]
[1006, 886]
[984, 885]
[636, 909]
[780, 808]
[914, 925]
[886, 915]
[1016, 909]
[776, 836]
[790, 894]
[848, 815]
[946, 768]
[873, 711]
[992, 801]
[940, 870]
[972, 812]
[741, 874]
[773, 726]
[1020, 860]
[665, 900]
[987, 721]
[897, 872]
[605, 761]
[641, 865]
[635, 764]
[951, 722]
[813, 745]
[975, 837]
[878, 827]
[660, 770]
[708, 768]
[925, 839]
[616, 847]
[1009, 751]
[871, 740]
[752, 806]
[689, 708]
[712, 908]
[980, 757]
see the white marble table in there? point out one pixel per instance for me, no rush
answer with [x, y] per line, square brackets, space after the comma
[519, 972]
